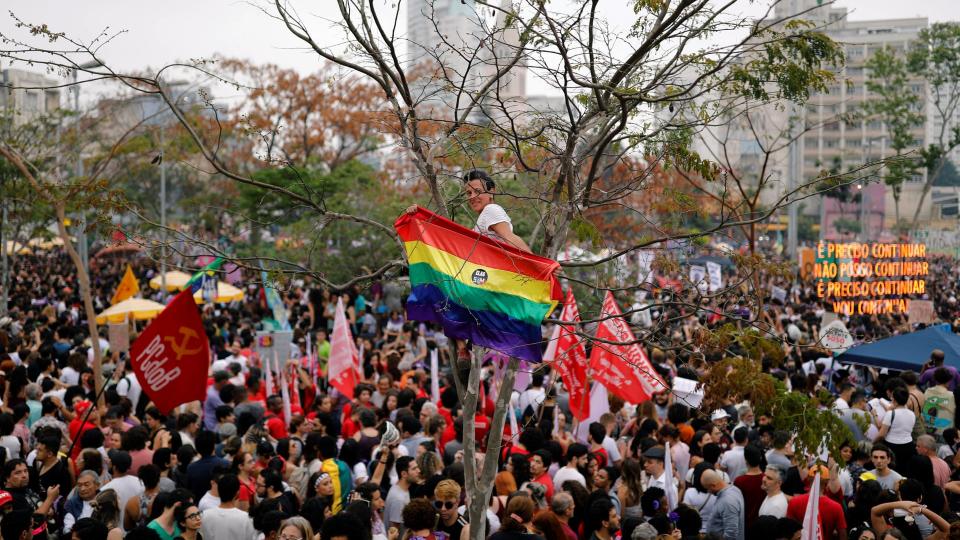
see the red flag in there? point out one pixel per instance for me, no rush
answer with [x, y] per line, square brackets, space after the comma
[623, 369]
[567, 355]
[171, 357]
[344, 357]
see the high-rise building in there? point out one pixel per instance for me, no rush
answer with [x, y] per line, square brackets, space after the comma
[453, 48]
[834, 137]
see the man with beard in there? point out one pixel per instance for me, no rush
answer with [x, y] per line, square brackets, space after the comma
[661, 402]
[540, 462]
[604, 519]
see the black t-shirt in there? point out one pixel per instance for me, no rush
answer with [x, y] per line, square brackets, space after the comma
[59, 474]
[24, 499]
[453, 531]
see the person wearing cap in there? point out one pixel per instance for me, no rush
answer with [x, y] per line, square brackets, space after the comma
[653, 465]
[82, 423]
[833, 523]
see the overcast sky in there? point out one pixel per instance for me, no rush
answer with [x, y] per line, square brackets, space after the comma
[169, 30]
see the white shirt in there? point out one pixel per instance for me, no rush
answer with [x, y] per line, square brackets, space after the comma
[733, 462]
[127, 487]
[901, 426]
[610, 446]
[775, 506]
[129, 387]
[532, 398]
[566, 473]
[228, 524]
[207, 502]
[491, 215]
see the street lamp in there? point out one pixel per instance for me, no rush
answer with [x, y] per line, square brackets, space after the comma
[78, 170]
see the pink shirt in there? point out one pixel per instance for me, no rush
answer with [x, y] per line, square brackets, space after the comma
[941, 471]
[139, 458]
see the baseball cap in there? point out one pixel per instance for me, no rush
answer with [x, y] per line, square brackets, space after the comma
[719, 414]
[5, 498]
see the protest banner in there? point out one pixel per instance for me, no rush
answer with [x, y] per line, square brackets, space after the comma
[172, 356]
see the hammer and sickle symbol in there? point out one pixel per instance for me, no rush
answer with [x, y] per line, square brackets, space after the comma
[181, 349]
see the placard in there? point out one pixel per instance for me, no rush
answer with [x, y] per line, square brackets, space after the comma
[715, 274]
[119, 336]
[698, 275]
[835, 337]
[686, 392]
[921, 311]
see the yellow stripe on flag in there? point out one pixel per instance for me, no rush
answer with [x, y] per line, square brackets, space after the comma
[491, 279]
[127, 288]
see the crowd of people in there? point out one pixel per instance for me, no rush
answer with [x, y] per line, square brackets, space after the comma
[387, 462]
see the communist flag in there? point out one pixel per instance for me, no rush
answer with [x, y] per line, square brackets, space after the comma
[128, 287]
[568, 356]
[172, 355]
[618, 362]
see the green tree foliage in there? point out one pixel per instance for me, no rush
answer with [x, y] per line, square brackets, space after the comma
[935, 58]
[948, 175]
[898, 107]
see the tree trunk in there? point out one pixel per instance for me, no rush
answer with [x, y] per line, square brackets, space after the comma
[5, 271]
[926, 189]
[84, 278]
[479, 485]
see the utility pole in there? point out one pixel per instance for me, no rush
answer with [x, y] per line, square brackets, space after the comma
[163, 217]
[4, 256]
[795, 170]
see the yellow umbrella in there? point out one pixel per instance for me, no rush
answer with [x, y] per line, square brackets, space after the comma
[175, 281]
[135, 308]
[225, 293]
[18, 248]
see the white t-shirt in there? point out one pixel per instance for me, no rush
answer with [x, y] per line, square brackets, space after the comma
[228, 524]
[126, 487]
[490, 216]
[566, 473]
[207, 502]
[901, 426]
[775, 506]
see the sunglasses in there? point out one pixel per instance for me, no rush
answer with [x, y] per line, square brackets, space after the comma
[449, 505]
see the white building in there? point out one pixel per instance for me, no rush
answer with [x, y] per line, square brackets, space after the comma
[27, 95]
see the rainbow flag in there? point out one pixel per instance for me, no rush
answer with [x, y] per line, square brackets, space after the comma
[475, 287]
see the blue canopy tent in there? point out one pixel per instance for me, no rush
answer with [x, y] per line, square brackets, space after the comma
[907, 351]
